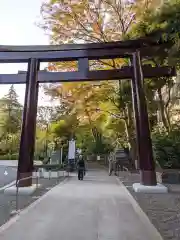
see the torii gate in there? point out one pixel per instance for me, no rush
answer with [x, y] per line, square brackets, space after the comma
[132, 49]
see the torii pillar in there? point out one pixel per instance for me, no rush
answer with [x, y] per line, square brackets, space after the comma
[26, 152]
[146, 162]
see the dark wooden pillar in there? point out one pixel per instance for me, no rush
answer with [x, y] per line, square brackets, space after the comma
[33, 136]
[136, 118]
[146, 162]
[26, 152]
[135, 111]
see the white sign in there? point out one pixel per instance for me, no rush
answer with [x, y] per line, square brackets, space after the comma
[72, 150]
[55, 157]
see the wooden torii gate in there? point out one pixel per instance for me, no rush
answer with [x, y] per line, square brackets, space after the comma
[33, 55]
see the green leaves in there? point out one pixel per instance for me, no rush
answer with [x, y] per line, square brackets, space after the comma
[10, 122]
[91, 22]
[102, 21]
[11, 113]
[167, 147]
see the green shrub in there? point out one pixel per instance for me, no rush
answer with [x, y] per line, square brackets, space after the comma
[4, 157]
[100, 147]
[166, 147]
[14, 156]
[52, 167]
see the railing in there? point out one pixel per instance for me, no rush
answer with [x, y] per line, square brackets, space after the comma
[50, 167]
[17, 189]
[17, 184]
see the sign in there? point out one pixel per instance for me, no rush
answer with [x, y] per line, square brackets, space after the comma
[72, 149]
[55, 157]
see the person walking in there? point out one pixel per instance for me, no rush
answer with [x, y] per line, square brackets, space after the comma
[81, 167]
[112, 164]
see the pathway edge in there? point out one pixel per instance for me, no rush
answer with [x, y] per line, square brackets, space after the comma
[8, 185]
[140, 212]
[14, 219]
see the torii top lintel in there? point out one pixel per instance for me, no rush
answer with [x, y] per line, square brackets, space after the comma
[68, 52]
[82, 53]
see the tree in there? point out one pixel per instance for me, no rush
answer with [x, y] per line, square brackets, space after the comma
[10, 121]
[65, 129]
[86, 20]
[80, 99]
[11, 112]
[98, 21]
[164, 25]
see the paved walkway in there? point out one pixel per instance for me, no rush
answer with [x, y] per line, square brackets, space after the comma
[98, 208]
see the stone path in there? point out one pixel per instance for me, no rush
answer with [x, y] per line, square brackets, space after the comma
[98, 208]
[7, 175]
[8, 202]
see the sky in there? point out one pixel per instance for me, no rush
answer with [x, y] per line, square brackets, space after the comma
[18, 20]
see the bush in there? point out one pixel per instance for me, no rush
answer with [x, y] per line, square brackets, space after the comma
[166, 147]
[100, 147]
[14, 156]
[50, 167]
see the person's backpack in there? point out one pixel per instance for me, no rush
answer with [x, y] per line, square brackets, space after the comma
[81, 163]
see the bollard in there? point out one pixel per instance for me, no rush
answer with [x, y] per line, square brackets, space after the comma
[36, 179]
[17, 195]
[17, 191]
[58, 177]
[49, 174]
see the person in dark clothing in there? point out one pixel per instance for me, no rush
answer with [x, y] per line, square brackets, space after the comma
[126, 150]
[81, 166]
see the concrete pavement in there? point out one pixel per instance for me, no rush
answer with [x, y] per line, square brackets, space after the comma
[98, 208]
[7, 175]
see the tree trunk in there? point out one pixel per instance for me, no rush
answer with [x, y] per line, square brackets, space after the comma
[93, 129]
[133, 155]
[27, 179]
[162, 110]
[130, 136]
[168, 118]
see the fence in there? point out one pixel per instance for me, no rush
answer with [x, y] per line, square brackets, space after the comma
[37, 176]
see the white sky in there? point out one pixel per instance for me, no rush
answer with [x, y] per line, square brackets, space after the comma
[17, 27]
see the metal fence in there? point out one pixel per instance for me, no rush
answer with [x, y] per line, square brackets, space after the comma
[65, 173]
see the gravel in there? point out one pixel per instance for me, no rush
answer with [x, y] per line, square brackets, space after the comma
[8, 203]
[163, 210]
